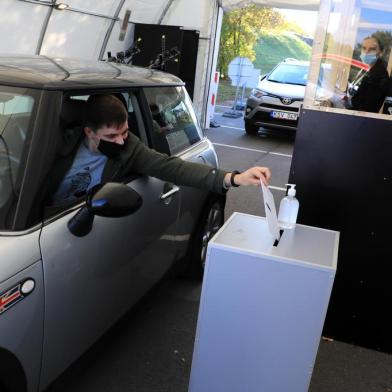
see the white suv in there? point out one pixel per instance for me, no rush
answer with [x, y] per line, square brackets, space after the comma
[276, 101]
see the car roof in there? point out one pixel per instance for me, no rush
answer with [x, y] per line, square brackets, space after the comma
[55, 73]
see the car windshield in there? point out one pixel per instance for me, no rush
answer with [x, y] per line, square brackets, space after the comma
[289, 74]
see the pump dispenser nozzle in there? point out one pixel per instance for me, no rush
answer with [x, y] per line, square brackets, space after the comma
[291, 191]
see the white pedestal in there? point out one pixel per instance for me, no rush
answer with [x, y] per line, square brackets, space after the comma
[262, 307]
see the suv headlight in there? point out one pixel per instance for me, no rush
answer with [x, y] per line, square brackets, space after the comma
[257, 93]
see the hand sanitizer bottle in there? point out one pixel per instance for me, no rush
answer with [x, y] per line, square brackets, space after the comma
[288, 209]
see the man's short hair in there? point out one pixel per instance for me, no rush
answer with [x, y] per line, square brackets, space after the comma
[105, 110]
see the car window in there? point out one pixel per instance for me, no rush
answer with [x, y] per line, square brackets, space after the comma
[289, 74]
[16, 106]
[64, 192]
[175, 126]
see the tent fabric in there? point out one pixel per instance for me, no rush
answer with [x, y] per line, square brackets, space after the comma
[88, 29]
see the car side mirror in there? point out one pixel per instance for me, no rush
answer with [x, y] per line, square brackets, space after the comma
[111, 200]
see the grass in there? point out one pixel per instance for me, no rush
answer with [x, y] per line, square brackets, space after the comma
[270, 50]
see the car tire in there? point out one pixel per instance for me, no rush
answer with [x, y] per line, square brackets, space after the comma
[251, 128]
[210, 222]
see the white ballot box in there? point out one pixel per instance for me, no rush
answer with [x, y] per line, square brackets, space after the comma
[262, 307]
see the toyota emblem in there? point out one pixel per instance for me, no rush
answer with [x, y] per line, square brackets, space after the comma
[286, 101]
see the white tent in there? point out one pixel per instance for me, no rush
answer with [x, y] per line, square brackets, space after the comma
[90, 28]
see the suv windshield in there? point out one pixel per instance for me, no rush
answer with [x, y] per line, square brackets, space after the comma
[289, 74]
[16, 106]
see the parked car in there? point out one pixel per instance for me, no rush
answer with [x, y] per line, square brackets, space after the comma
[64, 280]
[275, 102]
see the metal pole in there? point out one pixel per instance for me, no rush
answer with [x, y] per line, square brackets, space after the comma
[164, 12]
[211, 60]
[44, 28]
[238, 84]
[110, 29]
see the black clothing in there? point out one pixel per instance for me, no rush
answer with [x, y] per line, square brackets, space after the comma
[388, 99]
[372, 90]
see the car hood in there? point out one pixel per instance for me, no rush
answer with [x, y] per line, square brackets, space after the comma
[281, 89]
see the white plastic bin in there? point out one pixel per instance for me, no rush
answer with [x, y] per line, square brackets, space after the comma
[262, 307]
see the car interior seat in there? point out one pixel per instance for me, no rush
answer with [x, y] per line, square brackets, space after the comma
[132, 122]
[72, 112]
[72, 118]
[69, 136]
[65, 139]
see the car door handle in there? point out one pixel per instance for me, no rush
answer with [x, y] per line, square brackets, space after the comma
[171, 192]
[203, 159]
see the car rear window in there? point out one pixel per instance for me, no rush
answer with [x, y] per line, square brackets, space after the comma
[289, 74]
[16, 106]
[175, 126]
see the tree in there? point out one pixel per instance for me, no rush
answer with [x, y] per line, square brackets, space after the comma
[241, 29]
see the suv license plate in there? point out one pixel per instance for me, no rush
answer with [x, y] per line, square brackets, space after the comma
[284, 115]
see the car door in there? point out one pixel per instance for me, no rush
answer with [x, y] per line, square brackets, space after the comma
[21, 276]
[91, 281]
[175, 131]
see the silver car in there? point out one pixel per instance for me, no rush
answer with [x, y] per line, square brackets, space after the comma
[67, 274]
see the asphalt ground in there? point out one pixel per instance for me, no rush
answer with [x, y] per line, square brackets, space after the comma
[150, 348]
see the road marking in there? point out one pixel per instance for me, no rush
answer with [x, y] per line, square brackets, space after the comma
[254, 150]
[227, 126]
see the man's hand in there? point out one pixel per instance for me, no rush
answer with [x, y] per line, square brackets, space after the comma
[251, 176]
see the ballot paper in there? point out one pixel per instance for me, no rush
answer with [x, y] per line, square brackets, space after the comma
[270, 211]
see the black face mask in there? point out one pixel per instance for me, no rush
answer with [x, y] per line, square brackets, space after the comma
[111, 149]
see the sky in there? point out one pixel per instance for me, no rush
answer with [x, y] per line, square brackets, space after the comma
[306, 19]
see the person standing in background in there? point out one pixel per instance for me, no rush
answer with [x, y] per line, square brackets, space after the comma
[368, 90]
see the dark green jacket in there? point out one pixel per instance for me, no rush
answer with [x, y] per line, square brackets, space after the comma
[139, 159]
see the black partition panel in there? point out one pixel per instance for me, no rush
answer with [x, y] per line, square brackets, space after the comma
[186, 41]
[188, 59]
[342, 165]
[151, 44]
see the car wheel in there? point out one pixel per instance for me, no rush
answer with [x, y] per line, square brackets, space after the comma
[210, 222]
[251, 128]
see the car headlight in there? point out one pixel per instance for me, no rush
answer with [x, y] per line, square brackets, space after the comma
[258, 93]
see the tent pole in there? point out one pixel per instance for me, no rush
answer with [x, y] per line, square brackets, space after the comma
[210, 67]
[43, 30]
[110, 29]
[164, 12]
